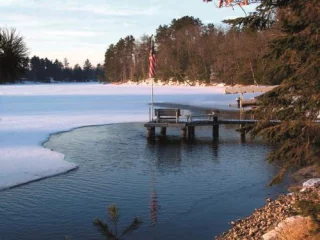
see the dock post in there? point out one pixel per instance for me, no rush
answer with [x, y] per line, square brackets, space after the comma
[190, 132]
[184, 133]
[241, 106]
[163, 131]
[242, 133]
[151, 132]
[215, 128]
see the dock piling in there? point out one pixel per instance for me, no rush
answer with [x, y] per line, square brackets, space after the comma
[215, 128]
[151, 132]
[184, 133]
[191, 132]
[163, 131]
[242, 133]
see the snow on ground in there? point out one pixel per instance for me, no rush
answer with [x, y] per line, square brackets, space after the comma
[30, 113]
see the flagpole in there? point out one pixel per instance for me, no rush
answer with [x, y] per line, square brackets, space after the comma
[152, 79]
[152, 66]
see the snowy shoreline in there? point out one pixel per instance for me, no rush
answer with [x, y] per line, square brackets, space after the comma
[171, 83]
[31, 113]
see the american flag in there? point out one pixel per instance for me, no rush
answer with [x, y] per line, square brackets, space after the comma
[152, 60]
[234, 2]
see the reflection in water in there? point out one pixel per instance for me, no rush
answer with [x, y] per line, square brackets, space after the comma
[154, 204]
[167, 151]
[242, 138]
[215, 145]
[168, 154]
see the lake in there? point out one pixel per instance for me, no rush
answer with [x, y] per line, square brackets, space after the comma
[180, 189]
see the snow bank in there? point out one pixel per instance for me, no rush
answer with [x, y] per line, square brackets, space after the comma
[313, 182]
[29, 113]
[169, 83]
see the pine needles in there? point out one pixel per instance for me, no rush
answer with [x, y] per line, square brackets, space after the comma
[113, 234]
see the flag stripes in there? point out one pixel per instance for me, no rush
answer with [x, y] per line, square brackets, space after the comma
[231, 3]
[152, 61]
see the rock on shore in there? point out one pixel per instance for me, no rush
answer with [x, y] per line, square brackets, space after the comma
[267, 218]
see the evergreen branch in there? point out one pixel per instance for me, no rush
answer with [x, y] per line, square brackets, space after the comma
[104, 229]
[136, 223]
[278, 178]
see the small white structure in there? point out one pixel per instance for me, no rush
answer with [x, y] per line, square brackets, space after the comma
[249, 89]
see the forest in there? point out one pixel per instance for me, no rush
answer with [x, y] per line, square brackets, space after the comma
[16, 66]
[188, 50]
[45, 70]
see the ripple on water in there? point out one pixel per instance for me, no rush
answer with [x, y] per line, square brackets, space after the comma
[181, 190]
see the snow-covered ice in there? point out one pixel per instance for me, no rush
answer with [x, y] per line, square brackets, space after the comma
[30, 113]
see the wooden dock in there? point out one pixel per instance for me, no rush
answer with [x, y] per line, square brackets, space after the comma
[171, 118]
[188, 128]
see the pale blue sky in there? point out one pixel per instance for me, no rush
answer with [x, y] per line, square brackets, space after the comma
[81, 29]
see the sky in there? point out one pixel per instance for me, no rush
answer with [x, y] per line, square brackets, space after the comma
[83, 29]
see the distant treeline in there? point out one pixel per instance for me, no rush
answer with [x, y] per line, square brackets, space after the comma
[189, 50]
[45, 70]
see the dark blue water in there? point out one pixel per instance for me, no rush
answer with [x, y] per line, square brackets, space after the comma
[181, 190]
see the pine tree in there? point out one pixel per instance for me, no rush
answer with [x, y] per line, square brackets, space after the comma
[87, 70]
[111, 66]
[295, 57]
[67, 71]
[13, 55]
[77, 73]
[113, 234]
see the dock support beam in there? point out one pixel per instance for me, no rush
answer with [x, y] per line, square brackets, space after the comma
[215, 128]
[151, 132]
[190, 132]
[163, 131]
[184, 133]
